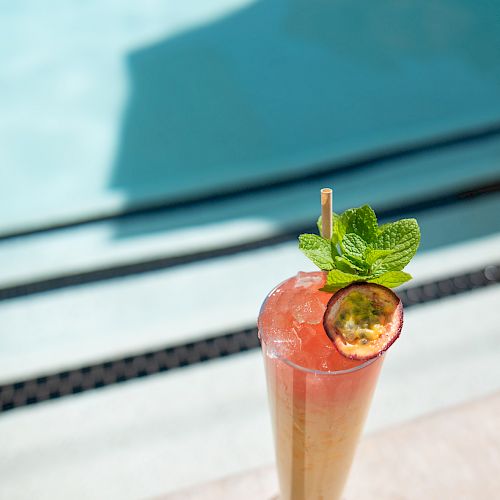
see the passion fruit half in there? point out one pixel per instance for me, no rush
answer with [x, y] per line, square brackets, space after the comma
[363, 320]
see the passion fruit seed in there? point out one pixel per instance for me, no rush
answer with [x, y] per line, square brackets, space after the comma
[363, 319]
[360, 318]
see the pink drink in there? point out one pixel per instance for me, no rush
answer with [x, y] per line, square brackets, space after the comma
[319, 399]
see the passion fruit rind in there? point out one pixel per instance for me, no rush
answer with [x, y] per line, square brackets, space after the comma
[363, 320]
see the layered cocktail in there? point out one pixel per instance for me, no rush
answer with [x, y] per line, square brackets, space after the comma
[323, 342]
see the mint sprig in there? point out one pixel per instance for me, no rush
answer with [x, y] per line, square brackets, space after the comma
[318, 249]
[361, 250]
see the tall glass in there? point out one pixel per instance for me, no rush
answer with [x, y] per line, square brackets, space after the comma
[317, 419]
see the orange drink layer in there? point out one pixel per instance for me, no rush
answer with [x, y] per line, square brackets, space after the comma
[319, 399]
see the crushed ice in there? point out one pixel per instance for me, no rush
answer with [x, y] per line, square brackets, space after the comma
[284, 344]
[305, 280]
[307, 309]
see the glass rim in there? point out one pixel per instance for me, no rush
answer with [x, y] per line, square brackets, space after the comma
[290, 363]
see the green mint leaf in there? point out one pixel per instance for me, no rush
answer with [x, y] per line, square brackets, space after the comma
[335, 235]
[334, 249]
[354, 247]
[391, 279]
[347, 266]
[359, 250]
[361, 221]
[339, 279]
[374, 254]
[403, 238]
[318, 249]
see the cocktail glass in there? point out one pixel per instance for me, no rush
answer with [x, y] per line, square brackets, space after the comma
[317, 414]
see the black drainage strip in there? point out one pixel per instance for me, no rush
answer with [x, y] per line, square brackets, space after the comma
[284, 236]
[57, 385]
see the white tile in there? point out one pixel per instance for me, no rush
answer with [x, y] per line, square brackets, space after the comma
[448, 353]
[94, 322]
[81, 325]
[139, 439]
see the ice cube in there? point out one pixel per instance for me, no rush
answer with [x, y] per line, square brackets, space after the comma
[316, 346]
[284, 343]
[280, 318]
[307, 308]
[306, 280]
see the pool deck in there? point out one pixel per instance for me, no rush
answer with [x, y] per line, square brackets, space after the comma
[144, 438]
[431, 457]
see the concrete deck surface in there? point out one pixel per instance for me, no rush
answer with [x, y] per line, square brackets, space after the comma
[453, 454]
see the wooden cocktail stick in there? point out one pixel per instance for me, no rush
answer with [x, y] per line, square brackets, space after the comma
[326, 213]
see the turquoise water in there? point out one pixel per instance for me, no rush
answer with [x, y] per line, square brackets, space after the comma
[106, 105]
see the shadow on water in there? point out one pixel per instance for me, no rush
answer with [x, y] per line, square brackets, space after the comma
[283, 84]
